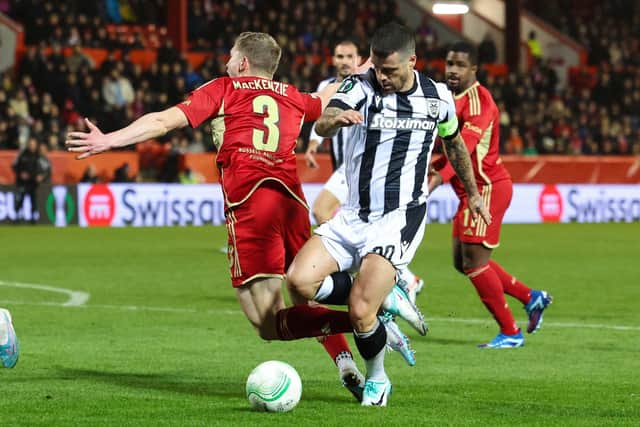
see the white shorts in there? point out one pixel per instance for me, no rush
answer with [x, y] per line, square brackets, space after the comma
[396, 236]
[337, 185]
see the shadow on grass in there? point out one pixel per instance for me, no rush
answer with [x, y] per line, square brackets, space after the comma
[452, 341]
[159, 382]
[188, 385]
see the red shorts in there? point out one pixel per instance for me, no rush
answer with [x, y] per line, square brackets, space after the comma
[265, 233]
[497, 197]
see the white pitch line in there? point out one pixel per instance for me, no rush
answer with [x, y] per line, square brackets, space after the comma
[76, 298]
[552, 324]
[569, 325]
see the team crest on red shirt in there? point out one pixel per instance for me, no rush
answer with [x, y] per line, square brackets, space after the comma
[433, 107]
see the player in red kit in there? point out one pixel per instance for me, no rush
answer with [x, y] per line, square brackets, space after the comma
[255, 122]
[474, 241]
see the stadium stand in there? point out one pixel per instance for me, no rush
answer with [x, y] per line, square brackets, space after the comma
[79, 55]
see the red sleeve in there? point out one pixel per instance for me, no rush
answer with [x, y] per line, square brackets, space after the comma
[312, 107]
[204, 102]
[475, 125]
[444, 168]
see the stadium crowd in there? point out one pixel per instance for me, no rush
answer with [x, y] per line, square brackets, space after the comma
[49, 93]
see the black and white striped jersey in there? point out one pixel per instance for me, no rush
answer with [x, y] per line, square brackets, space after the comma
[338, 140]
[387, 156]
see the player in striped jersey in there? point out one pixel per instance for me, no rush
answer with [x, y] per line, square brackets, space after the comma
[346, 60]
[334, 194]
[395, 114]
[474, 241]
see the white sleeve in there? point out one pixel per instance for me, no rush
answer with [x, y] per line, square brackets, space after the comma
[313, 135]
[350, 95]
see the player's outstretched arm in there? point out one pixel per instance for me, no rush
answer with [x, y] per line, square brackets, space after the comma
[459, 158]
[151, 125]
[435, 179]
[310, 154]
[326, 93]
[334, 118]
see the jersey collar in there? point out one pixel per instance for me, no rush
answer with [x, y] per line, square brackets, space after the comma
[464, 92]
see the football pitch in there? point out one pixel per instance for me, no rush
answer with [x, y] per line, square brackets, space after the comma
[140, 326]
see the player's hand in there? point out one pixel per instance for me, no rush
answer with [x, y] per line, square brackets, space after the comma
[87, 143]
[348, 118]
[310, 156]
[477, 207]
[435, 179]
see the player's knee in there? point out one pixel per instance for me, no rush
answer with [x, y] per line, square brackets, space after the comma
[298, 283]
[362, 315]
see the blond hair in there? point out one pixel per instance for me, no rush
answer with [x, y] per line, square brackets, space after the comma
[261, 49]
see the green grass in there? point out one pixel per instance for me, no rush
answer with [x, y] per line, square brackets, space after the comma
[162, 341]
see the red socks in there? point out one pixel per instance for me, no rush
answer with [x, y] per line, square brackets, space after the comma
[489, 288]
[304, 321]
[511, 285]
[334, 345]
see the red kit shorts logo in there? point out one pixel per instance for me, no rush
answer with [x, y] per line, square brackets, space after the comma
[99, 206]
[550, 204]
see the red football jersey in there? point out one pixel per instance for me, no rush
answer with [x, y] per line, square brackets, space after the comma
[255, 123]
[478, 118]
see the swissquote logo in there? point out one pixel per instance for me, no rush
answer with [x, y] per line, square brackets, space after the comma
[99, 206]
[550, 204]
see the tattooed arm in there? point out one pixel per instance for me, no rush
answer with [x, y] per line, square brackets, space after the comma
[461, 163]
[334, 118]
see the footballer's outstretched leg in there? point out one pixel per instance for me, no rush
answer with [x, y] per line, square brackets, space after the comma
[540, 300]
[398, 303]
[505, 341]
[350, 376]
[396, 339]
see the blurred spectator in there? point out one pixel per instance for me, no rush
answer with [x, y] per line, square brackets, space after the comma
[78, 59]
[173, 163]
[167, 54]
[197, 144]
[20, 106]
[189, 177]
[514, 144]
[113, 11]
[534, 46]
[117, 93]
[530, 145]
[487, 51]
[121, 173]
[28, 177]
[44, 165]
[90, 175]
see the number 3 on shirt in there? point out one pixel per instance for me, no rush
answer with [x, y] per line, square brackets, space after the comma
[264, 104]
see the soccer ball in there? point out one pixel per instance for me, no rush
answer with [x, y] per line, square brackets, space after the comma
[274, 386]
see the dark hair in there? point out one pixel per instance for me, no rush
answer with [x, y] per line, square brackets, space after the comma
[468, 48]
[347, 42]
[393, 37]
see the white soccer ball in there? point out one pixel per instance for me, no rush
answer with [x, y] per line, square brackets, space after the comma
[274, 386]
